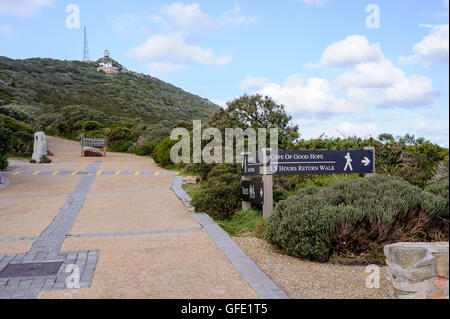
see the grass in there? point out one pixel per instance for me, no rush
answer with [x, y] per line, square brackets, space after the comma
[190, 188]
[245, 223]
[18, 157]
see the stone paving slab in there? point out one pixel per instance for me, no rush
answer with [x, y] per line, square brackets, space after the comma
[132, 212]
[183, 265]
[30, 218]
[26, 185]
[129, 183]
[15, 247]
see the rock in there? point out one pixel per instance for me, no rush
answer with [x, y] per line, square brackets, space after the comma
[417, 270]
[40, 146]
[92, 152]
[441, 266]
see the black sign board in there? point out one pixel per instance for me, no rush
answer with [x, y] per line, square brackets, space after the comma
[310, 162]
[252, 191]
[93, 141]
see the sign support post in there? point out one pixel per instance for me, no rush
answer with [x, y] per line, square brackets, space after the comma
[267, 186]
[246, 205]
[371, 148]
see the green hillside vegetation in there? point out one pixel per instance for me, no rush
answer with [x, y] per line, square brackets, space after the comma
[45, 86]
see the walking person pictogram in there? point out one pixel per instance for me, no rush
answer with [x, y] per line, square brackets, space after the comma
[349, 162]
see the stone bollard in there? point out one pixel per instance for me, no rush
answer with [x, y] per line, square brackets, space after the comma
[417, 270]
[40, 146]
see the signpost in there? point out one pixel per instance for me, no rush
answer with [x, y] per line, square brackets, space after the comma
[268, 163]
[253, 192]
[93, 142]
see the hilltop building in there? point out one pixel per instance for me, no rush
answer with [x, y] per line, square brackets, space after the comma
[107, 65]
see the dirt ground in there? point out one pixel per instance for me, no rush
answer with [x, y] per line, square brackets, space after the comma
[305, 279]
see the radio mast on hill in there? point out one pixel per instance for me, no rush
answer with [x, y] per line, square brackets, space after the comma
[86, 48]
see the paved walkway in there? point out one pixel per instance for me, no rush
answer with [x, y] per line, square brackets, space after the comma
[116, 227]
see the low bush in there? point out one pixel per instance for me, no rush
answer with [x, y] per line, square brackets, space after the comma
[354, 219]
[161, 153]
[5, 139]
[3, 163]
[120, 146]
[14, 125]
[92, 126]
[220, 195]
[145, 149]
[438, 184]
[44, 160]
[23, 143]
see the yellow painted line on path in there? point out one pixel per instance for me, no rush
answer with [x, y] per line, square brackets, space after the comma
[177, 173]
[157, 173]
[117, 173]
[55, 173]
[35, 173]
[17, 173]
[137, 173]
[99, 172]
[75, 173]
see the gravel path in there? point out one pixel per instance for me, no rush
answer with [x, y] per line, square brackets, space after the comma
[301, 278]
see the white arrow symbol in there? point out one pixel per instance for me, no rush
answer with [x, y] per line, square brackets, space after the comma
[365, 161]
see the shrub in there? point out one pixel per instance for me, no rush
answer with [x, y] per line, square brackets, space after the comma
[44, 160]
[3, 163]
[354, 219]
[161, 153]
[5, 139]
[438, 184]
[23, 143]
[220, 195]
[17, 112]
[145, 149]
[14, 125]
[120, 146]
[95, 133]
[91, 126]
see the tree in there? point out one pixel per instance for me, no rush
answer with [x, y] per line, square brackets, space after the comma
[256, 111]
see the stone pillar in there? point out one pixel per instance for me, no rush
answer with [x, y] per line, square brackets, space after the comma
[417, 270]
[40, 146]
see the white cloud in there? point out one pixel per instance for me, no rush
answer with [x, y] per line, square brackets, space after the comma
[414, 59]
[431, 130]
[353, 50]
[311, 99]
[384, 84]
[6, 31]
[254, 83]
[314, 2]
[186, 16]
[434, 47]
[190, 17]
[351, 129]
[410, 92]
[236, 16]
[371, 75]
[171, 51]
[22, 8]
[123, 22]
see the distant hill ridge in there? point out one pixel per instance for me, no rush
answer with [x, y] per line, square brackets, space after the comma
[49, 85]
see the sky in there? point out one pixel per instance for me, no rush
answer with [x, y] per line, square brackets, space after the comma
[340, 67]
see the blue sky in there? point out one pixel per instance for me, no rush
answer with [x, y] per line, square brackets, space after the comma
[334, 73]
